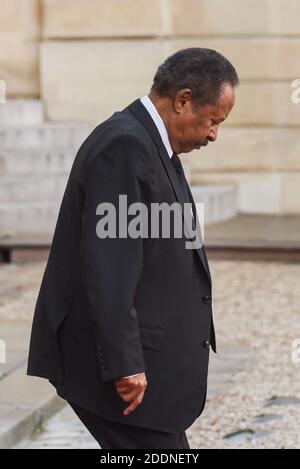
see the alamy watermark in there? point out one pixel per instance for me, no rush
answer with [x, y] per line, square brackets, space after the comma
[296, 351]
[2, 352]
[2, 91]
[295, 96]
[137, 220]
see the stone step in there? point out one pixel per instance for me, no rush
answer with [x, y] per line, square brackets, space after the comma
[24, 218]
[42, 187]
[220, 202]
[46, 135]
[25, 404]
[17, 112]
[20, 213]
[19, 161]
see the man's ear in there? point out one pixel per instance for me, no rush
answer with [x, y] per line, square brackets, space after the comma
[183, 98]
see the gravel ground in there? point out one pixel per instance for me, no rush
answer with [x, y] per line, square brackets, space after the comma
[19, 284]
[256, 307]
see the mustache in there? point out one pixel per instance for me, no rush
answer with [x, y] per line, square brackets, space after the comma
[203, 143]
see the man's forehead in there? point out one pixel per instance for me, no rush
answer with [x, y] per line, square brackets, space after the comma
[224, 105]
[217, 111]
[221, 109]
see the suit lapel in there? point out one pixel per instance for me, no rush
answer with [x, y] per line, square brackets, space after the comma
[141, 113]
[201, 251]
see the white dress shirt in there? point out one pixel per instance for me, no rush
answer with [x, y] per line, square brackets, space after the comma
[146, 101]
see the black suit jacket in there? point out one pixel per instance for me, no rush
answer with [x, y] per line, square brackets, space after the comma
[108, 308]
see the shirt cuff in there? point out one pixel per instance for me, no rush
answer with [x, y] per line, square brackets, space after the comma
[130, 376]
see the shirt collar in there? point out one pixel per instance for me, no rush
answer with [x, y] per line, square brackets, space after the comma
[146, 101]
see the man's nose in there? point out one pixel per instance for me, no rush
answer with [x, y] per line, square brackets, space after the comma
[213, 134]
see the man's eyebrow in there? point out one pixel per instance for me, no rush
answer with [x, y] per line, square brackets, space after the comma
[221, 119]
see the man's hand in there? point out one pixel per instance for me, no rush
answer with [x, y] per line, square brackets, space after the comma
[132, 389]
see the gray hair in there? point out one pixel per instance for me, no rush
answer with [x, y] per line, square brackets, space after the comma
[204, 71]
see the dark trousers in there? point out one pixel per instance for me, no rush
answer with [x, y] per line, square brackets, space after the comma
[114, 435]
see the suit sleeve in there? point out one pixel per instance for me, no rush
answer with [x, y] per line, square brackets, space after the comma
[113, 266]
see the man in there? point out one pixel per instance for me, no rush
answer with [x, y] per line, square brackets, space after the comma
[123, 325]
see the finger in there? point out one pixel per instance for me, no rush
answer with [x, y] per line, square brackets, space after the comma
[127, 389]
[123, 388]
[135, 403]
[137, 388]
[129, 396]
[125, 383]
[130, 392]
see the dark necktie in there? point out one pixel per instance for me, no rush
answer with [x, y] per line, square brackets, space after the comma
[183, 182]
[181, 176]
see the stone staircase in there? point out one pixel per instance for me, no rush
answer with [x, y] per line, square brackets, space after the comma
[220, 202]
[35, 160]
[216, 202]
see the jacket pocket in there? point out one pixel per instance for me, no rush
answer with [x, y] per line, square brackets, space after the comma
[152, 337]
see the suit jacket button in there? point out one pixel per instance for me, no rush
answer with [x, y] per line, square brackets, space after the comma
[206, 344]
[206, 299]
